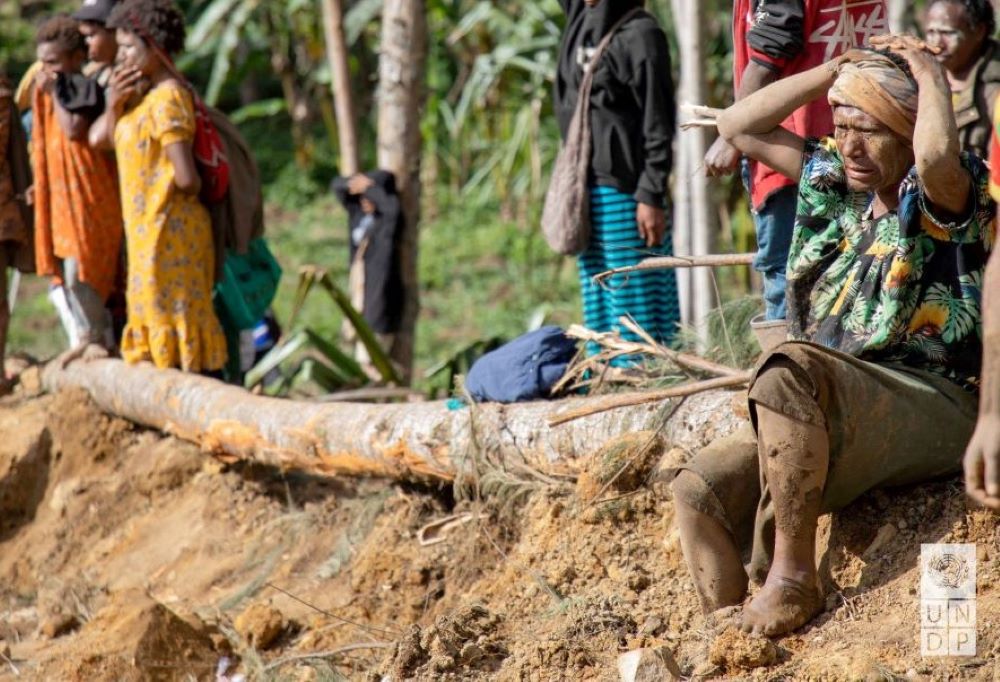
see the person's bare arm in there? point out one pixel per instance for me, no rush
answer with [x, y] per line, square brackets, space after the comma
[753, 124]
[186, 176]
[74, 126]
[936, 147]
[123, 86]
[723, 158]
[102, 133]
[982, 457]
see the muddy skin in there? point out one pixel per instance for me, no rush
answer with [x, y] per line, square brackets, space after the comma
[796, 460]
[711, 553]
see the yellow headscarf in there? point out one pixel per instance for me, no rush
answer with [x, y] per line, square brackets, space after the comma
[880, 88]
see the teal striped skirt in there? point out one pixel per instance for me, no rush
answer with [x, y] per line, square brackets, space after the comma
[648, 297]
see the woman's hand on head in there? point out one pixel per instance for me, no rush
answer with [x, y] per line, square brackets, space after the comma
[917, 53]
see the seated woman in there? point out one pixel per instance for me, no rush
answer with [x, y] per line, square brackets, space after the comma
[878, 387]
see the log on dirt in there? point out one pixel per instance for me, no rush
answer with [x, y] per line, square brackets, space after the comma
[416, 441]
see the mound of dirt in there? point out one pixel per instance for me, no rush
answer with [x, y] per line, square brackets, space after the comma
[155, 550]
[137, 638]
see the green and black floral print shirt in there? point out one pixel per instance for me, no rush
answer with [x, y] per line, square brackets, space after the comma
[905, 287]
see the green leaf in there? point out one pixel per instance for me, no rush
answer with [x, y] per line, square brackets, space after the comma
[265, 108]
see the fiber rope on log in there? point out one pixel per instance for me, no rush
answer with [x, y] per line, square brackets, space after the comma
[414, 441]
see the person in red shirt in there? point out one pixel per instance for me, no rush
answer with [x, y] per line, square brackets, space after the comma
[773, 39]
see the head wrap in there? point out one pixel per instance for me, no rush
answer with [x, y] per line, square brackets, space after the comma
[880, 88]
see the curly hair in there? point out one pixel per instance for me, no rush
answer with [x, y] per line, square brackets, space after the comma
[156, 20]
[979, 13]
[63, 31]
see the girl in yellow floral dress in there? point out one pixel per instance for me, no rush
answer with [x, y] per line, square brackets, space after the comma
[171, 321]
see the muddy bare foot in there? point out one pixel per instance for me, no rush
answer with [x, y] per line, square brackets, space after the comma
[781, 606]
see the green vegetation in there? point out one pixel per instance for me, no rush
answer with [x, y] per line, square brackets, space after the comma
[489, 140]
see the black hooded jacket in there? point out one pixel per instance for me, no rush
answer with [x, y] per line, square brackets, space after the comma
[632, 115]
[383, 306]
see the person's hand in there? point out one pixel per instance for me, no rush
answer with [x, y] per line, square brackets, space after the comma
[29, 196]
[652, 222]
[917, 53]
[45, 81]
[125, 84]
[359, 184]
[721, 159]
[982, 462]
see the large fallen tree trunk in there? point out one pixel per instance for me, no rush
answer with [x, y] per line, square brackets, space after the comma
[417, 441]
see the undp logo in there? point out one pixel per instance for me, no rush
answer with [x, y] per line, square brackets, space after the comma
[948, 600]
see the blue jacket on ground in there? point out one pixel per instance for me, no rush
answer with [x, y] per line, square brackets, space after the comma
[525, 369]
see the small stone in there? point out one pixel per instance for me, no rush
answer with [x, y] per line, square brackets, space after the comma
[902, 524]
[648, 665]
[883, 537]
[58, 625]
[260, 625]
[30, 381]
[704, 669]
[652, 626]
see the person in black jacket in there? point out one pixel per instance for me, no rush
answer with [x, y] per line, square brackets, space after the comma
[632, 121]
[374, 228]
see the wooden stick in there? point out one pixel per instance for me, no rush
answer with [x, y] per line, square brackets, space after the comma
[668, 262]
[683, 359]
[613, 402]
[650, 347]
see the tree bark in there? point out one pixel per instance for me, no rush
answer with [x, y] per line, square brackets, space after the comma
[411, 441]
[400, 104]
[340, 74]
[694, 218]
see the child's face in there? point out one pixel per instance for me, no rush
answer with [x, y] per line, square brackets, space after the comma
[101, 45]
[55, 59]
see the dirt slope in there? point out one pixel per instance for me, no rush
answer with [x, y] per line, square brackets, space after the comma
[126, 555]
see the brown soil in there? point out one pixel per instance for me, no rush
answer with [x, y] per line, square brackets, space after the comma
[167, 560]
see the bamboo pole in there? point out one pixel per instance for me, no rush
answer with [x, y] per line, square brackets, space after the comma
[340, 75]
[413, 441]
[694, 217]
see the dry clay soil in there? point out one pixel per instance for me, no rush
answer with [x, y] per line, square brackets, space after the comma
[128, 555]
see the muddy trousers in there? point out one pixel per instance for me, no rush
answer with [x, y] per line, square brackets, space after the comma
[887, 425]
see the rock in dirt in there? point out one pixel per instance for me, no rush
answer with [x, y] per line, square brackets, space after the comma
[621, 465]
[884, 536]
[260, 625]
[737, 650]
[648, 665]
[58, 625]
[457, 644]
[136, 638]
